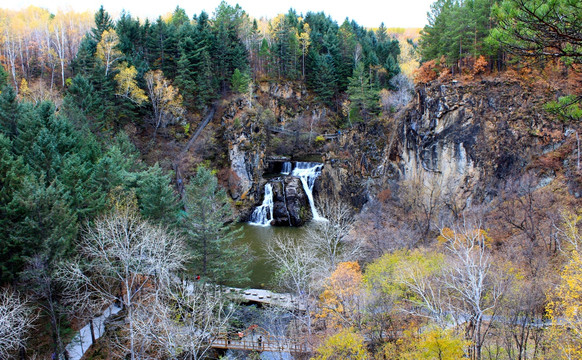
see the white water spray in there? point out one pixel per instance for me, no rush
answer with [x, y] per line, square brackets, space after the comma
[308, 172]
[286, 168]
[262, 215]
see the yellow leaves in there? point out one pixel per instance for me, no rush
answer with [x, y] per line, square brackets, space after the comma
[127, 84]
[467, 236]
[165, 98]
[24, 90]
[432, 344]
[107, 49]
[344, 345]
[565, 309]
[341, 300]
[304, 38]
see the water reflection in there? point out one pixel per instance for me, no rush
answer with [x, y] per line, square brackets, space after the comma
[257, 237]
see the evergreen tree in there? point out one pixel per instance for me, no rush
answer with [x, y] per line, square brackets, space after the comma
[364, 98]
[157, 200]
[195, 77]
[228, 52]
[9, 112]
[324, 78]
[212, 243]
[240, 82]
[13, 176]
[128, 31]
[79, 103]
[3, 77]
[102, 23]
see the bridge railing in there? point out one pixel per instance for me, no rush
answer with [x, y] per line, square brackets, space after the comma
[281, 130]
[258, 342]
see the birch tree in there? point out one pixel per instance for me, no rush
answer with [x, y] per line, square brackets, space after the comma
[107, 49]
[127, 84]
[165, 98]
[16, 320]
[122, 258]
[472, 280]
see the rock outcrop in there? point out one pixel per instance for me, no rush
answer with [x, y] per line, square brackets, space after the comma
[475, 137]
[291, 206]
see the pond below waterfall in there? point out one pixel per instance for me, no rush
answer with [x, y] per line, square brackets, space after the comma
[257, 237]
[259, 232]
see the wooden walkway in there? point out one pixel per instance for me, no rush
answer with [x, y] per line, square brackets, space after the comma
[257, 339]
[268, 297]
[280, 130]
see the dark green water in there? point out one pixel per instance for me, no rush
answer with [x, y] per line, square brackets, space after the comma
[257, 237]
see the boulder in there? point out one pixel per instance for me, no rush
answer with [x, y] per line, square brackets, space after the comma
[290, 203]
[297, 202]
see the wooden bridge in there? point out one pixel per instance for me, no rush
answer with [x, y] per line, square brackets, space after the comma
[257, 339]
[281, 130]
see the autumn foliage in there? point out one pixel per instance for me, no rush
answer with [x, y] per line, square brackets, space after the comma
[342, 300]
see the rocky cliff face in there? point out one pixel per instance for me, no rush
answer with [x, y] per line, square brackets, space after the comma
[474, 137]
[467, 139]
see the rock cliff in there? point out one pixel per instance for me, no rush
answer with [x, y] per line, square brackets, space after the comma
[470, 138]
[476, 136]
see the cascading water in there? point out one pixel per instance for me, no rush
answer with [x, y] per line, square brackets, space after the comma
[308, 172]
[286, 168]
[262, 215]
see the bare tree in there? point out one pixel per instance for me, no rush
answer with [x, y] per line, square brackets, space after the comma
[528, 208]
[329, 239]
[181, 320]
[471, 280]
[122, 257]
[39, 277]
[83, 303]
[421, 196]
[16, 319]
[295, 260]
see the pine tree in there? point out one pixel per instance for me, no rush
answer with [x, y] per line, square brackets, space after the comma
[13, 176]
[364, 98]
[240, 81]
[102, 23]
[9, 112]
[3, 77]
[324, 81]
[213, 244]
[157, 199]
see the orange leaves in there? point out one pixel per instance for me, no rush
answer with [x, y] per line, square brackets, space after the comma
[480, 65]
[426, 73]
[342, 299]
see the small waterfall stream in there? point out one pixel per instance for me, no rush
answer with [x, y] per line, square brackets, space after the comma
[308, 172]
[262, 215]
[286, 168]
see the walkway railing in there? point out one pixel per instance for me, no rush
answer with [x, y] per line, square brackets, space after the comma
[259, 341]
[280, 130]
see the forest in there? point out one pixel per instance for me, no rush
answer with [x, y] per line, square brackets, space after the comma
[432, 177]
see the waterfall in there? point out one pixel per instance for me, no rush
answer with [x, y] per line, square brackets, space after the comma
[262, 215]
[286, 168]
[307, 172]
